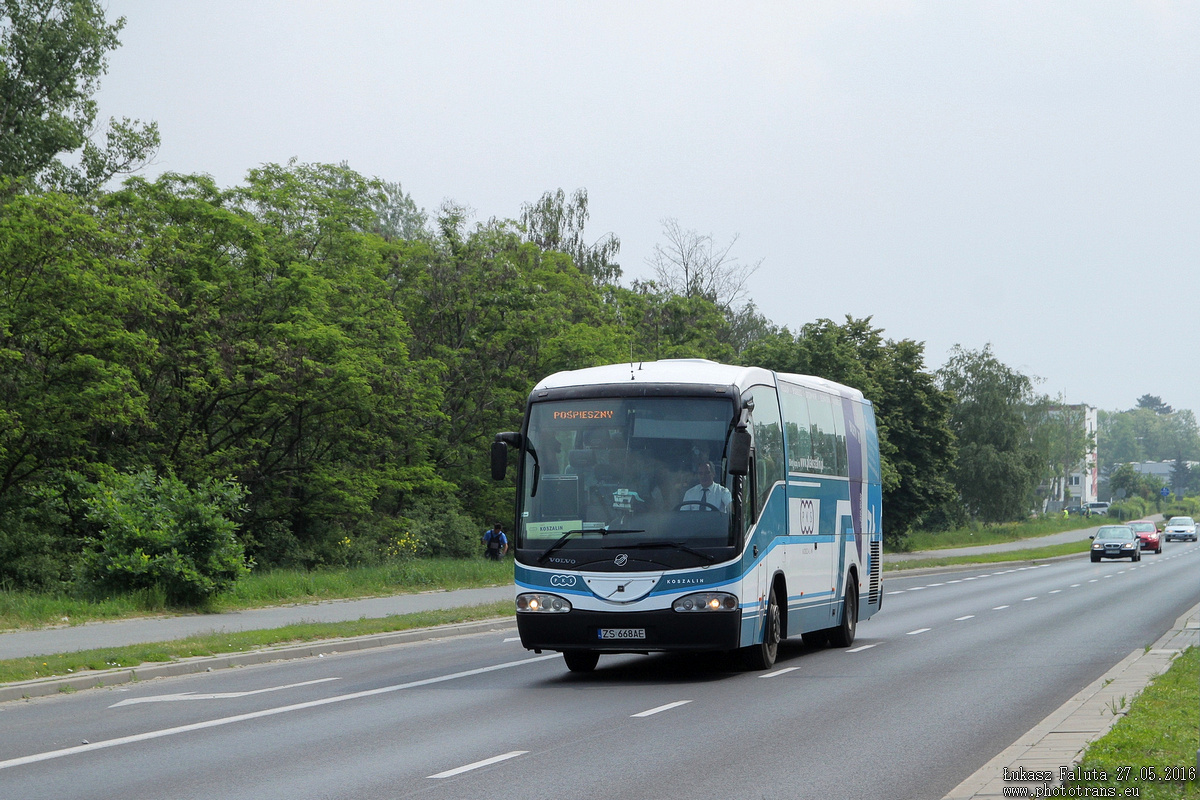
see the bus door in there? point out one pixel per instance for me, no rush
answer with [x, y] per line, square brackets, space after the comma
[812, 557]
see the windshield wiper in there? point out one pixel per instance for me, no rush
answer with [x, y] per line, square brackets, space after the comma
[676, 545]
[563, 539]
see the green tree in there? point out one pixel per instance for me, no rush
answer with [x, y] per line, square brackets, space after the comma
[556, 223]
[282, 358]
[656, 324]
[999, 464]
[495, 313]
[73, 348]
[1146, 434]
[1126, 482]
[52, 54]
[746, 326]
[1154, 403]
[397, 215]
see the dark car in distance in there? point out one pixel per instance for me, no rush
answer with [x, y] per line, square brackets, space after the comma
[1147, 532]
[1116, 541]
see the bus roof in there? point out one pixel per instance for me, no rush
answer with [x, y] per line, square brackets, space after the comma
[688, 371]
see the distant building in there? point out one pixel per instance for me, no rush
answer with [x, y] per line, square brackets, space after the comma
[1082, 483]
[1160, 469]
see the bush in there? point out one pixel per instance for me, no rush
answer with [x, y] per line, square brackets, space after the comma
[375, 540]
[1131, 508]
[35, 553]
[442, 528]
[156, 534]
[1185, 507]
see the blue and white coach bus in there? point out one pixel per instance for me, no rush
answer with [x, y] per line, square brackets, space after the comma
[685, 505]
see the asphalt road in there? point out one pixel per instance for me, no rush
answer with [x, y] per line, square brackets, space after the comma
[954, 669]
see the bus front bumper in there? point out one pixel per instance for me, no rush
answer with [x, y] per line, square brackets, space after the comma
[630, 631]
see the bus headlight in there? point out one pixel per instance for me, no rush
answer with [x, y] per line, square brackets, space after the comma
[542, 604]
[706, 601]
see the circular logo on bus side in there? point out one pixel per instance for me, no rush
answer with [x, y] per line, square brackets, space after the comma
[562, 580]
[621, 560]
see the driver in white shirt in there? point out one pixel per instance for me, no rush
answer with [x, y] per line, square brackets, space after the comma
[707, 495]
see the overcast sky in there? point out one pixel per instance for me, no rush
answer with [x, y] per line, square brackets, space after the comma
[1024, 174]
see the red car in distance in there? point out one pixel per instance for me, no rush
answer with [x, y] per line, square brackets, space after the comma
[1147, 532]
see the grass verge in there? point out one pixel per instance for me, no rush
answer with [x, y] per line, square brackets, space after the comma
[277, 587]
[1158, 733]
[1031, 554]
[216, 644]
[999, 533]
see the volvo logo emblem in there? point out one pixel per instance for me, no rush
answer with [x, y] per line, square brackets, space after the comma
[621, 560]
[562, 580]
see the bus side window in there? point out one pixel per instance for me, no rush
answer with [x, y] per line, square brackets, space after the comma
[750, 496]
[768, 443]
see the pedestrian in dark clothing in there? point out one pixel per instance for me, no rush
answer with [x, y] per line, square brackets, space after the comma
[495, 543]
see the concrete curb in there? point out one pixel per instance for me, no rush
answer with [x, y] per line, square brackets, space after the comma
[1060, 739]
[91, 679]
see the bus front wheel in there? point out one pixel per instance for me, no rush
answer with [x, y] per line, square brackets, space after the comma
[762, 655]
[581, 660]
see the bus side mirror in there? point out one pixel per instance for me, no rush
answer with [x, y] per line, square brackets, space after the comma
[500, 453]
[499, 460]
[739, 452]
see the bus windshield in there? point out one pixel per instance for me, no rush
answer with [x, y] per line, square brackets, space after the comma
[644, 474]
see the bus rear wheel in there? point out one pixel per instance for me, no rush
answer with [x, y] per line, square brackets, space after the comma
[843, 634]
[581, 660]
[763, 654]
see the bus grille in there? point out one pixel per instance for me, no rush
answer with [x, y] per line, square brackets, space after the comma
[876, 572]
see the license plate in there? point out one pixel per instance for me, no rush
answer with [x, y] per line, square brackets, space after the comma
[622, 633]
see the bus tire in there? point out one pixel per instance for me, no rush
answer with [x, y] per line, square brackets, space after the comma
[843, 634]
[581, 660]
[763, 654]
